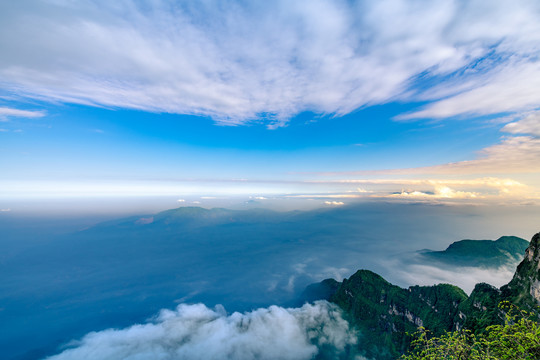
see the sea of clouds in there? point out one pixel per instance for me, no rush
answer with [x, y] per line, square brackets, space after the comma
[197, 332]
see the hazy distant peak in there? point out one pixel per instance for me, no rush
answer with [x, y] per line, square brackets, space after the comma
[505, 251]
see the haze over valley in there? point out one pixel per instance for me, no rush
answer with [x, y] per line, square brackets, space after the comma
[124, 271]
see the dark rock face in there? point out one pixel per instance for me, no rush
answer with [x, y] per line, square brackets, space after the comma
[384, 313]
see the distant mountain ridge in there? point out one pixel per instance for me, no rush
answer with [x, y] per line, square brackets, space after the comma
[384, 313]
[192, 216]
[507, 250]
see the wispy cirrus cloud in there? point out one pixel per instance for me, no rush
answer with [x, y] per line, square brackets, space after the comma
[6, 113]
[238, 61]
[509, 87]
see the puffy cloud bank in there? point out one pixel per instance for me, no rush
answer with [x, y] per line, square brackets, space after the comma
[197, 332]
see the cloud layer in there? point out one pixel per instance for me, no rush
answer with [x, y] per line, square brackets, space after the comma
[197, 332]
[239, 61]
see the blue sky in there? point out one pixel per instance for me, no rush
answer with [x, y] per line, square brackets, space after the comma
[339, 100]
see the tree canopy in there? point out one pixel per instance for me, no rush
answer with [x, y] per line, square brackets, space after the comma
[518, 338]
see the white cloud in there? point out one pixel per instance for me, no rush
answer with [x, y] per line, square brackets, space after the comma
[271, 60]
[334, 203]
[6, 113]
[197, 332]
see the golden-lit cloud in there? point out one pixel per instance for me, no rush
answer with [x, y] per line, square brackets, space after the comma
[488, 188]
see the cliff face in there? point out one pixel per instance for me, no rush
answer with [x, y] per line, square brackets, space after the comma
[385, 313]
[524, 288]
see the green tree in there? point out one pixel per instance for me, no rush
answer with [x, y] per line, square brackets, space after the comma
[518, 338]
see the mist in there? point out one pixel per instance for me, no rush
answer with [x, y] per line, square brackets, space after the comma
[466, 277]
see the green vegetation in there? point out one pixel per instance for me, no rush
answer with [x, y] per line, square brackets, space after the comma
[481, 308]
[518, 338]
[385, 313]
